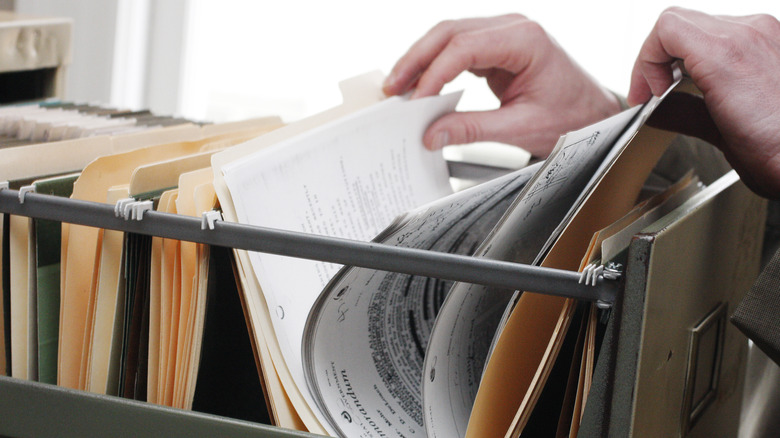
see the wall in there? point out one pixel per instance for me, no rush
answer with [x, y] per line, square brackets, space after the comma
[89, 76]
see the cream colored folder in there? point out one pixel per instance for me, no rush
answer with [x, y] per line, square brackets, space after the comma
[170, 286]
[192, 297]
[19, 235]
[80, 259]
[104, 347]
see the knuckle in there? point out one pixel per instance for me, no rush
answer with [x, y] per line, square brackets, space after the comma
[533, 29]
[751, 35]
[767, 23]
[515, 17]
[766, 19]
[465, 48]
[442, 28]
[529, 31]
[730, 47]
[744, 45]
[462, 41]
[672, 10]
[471, 130]
[445, 27]
[669, 20]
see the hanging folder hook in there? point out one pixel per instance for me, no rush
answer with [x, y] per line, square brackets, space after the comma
[121, 205]
[584, 274]
[208, 218]
[138, 209]
[127, 210]
[590, 274]
[24, 191]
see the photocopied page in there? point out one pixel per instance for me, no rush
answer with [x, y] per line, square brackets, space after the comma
[345, 179]
[366, 337]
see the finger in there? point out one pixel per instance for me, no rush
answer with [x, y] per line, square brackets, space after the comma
[677, 34]
[410, 66]
[639, 91]
[764, 23]
[465, 127]
[511, 47]
[652, 68]
[470, 127]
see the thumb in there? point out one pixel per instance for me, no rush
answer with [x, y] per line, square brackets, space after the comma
[467, 127]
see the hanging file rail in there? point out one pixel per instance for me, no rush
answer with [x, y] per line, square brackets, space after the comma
[494, 273]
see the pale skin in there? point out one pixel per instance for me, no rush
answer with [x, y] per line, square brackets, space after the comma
[735, 62]
[524, 68]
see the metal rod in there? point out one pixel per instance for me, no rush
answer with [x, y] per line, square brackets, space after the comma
[315, 247]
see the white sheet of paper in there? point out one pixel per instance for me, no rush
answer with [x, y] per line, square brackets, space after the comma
[349, 179]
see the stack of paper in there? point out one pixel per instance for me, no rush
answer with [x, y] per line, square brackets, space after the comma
[330, 349]
[374, 361]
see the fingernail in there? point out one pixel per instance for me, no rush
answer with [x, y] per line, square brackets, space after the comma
[441, 140]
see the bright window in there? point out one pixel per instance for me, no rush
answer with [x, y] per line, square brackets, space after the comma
[244, 59]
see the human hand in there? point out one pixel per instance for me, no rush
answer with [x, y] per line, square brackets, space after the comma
[543, 92]
[734, 61]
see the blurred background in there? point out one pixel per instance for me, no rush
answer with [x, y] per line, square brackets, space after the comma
[235, 59]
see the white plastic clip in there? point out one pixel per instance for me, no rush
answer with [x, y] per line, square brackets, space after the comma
[139, 208]
[121, 205]
[584, 274]
[23, 191]
[596, 272]
[591, 273]
[613, 271]
[4, 185]
[208, 219]
[127, 210]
